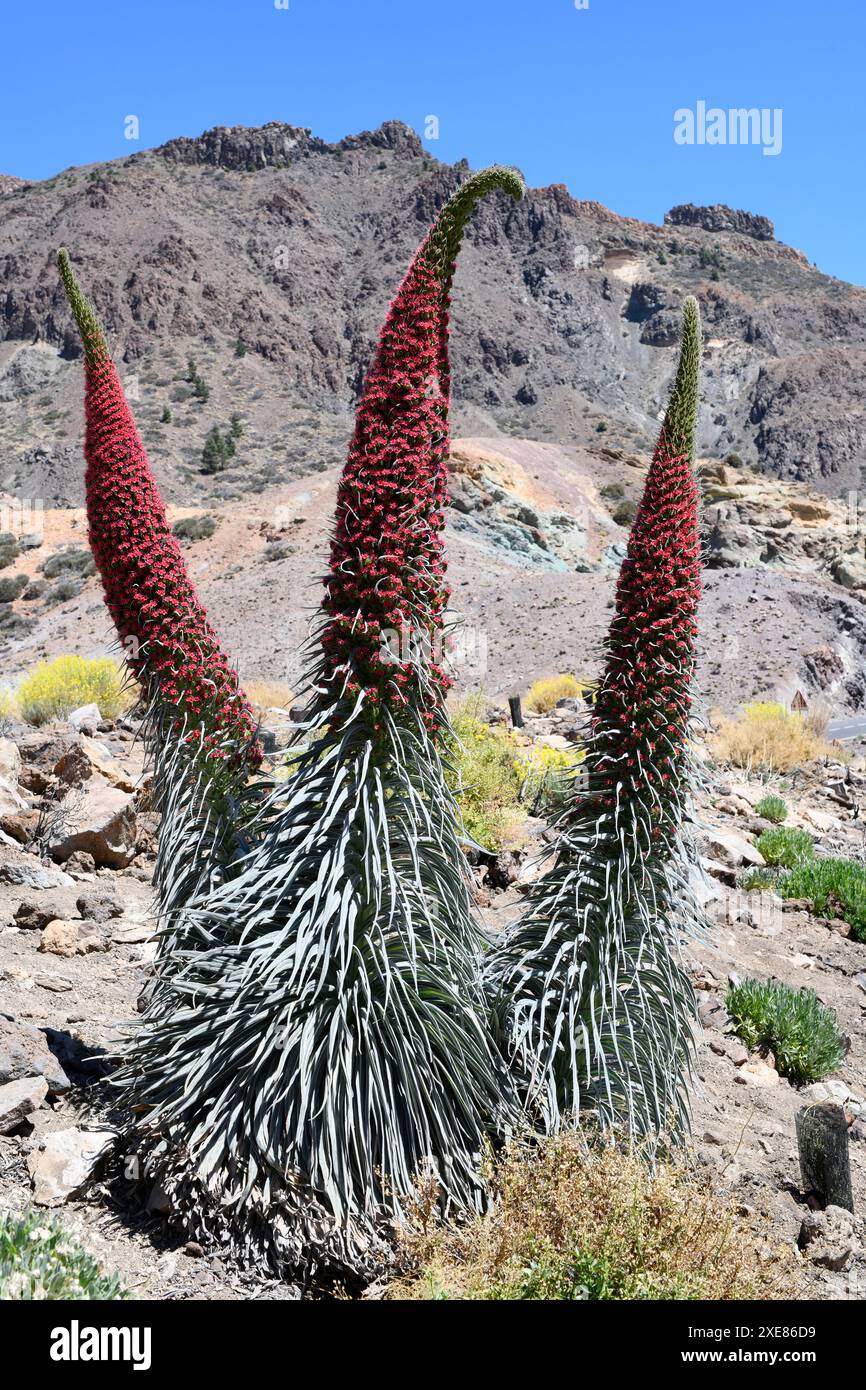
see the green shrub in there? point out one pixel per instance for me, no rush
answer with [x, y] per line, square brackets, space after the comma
[195, 528]
[63, 590]
[772, 808]
[548, 778]
[612, 491]
[55, 688]
[72, 561]
[786, 847]
[801, 1033]
[218, 449]
[757, 880]
[832, 885]
[486, 777]
[12, 588]
[624, 513]
[200, 389]
[279, 550]
[574, 1220]
[39, 1260]
[9, 549]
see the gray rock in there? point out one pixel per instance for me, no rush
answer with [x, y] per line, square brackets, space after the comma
[24, 871]
[103, 825]
[99, 905]
[25, 1054]
[65, 1163]
[828, 1237]
[86, 719]
[721, 218]
[18, 1099]
[728, 847]
[33, 914]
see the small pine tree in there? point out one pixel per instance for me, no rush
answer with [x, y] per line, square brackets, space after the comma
[216, 452]
[240, 348]
[166, 416]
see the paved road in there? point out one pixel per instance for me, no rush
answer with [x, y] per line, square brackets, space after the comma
[846, 728]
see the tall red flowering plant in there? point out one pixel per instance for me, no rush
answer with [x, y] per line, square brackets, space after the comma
[386, 595]
[333, 1044]
[200, 725]
[595, 1008]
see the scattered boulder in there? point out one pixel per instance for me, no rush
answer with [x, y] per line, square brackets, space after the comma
[24, 871]
[65, 1163]
[24, 1053]
[11, 800]
[729, 848]
[60, 938]
[86, 720]
[10, 761]
[74, 767]
[99, 905]
[828, 1237]
[72, 938]
[18, 1099]
[102, 761]
[758, 1072]
[34, 914]
[104, 826]
[20, 825]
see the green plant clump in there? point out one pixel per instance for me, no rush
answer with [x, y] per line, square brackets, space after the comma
[625, 512]
[485, 774]
[66, 562]
[786, 847]
[195, 528]
[833, 886]
[772, 808]
[799, 1030]
[56, 688]
[758, 880]
[38, 1260]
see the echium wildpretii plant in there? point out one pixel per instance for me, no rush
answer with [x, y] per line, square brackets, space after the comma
[199, 727]
[595, 1010]
[294, 1080]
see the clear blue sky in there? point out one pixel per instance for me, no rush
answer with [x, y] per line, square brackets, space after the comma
[582, 97]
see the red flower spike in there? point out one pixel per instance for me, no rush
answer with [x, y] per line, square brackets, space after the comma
[170, 645]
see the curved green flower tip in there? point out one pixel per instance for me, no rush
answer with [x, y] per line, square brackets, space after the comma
[682, 412]
[445, 237]
[92, 337]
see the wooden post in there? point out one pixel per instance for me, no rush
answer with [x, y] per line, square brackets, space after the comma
[516, 711]
[822, 1138]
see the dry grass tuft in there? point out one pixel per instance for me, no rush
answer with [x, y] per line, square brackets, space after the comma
[269, 695]
[544, 694]
[770, 738]
[570, 1221]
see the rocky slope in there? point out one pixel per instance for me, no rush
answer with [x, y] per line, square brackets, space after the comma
[76, 944]
[274, 244]
[536, 533]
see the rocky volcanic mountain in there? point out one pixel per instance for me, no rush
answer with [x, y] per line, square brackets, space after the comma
[269, 256]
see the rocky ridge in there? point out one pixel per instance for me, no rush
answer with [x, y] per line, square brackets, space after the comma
[269, 256]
